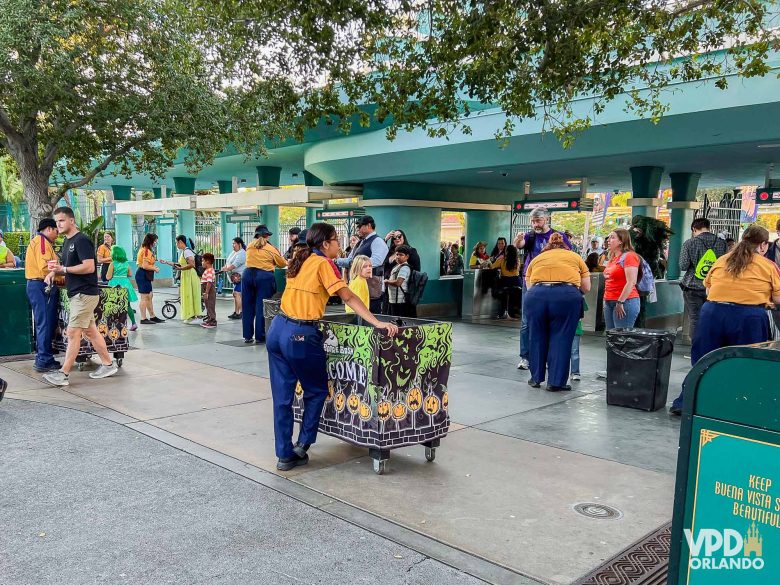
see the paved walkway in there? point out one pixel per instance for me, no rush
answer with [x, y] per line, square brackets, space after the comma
[499, 500]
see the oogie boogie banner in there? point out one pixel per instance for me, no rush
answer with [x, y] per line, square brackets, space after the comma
[385, 392]
[110, 317]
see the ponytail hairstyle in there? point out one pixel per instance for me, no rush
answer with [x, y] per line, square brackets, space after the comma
[556, 243]
[511, 258]
[259, 242]
[742, 254]
[186, 241]
[317, 234]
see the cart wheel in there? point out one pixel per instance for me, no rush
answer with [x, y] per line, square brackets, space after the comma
[430, 453]
[169, 310]
[119, 365]
[379, 466]
[80, 366]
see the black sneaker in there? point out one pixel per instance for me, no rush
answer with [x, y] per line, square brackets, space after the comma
[50, 368]
[146, 322]
[534, 384]
[303, 446]
[565, 388]
[234, 316]
[250, 340]
[675, 410]
[157, 320]
[292, 462]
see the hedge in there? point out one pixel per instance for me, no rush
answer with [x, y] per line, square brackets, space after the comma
[17, 242]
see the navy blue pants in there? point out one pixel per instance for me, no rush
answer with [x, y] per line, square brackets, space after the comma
[44, 308]
[553, 313]
[295, 353]
[722, 325]
[256, 286]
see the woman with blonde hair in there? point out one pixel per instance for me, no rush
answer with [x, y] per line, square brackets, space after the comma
[621, 297]
[739, 286]
[359, 274]
[556, 279]
[258, 283]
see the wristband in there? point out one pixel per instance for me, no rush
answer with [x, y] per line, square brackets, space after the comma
[64, 269]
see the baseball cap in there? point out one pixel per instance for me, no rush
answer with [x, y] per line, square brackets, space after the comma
[302, 238]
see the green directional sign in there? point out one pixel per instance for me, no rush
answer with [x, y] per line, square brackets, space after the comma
[326, 214]
[166, 221]
[242, 217]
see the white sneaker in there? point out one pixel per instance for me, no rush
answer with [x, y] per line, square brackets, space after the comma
[523, 365]
[576, 377]
[104, 371]
[57, 378]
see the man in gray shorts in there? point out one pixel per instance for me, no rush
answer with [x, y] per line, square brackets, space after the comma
[79, 267]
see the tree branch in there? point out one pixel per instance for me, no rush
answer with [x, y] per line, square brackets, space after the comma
[101, 167]
[689, 7]
[7, 127]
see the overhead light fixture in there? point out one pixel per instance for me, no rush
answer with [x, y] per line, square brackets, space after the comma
[572, 182]
[769, 145]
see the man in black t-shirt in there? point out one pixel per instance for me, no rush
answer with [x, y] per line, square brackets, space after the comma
[80, 270]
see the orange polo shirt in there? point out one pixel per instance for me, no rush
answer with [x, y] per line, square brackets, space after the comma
[265, 258]
[306, 295]
[35, 260]
[144, 253]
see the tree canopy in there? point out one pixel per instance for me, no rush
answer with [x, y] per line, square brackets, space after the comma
[125, 84]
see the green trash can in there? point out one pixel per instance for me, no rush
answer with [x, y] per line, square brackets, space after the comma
[16, 324]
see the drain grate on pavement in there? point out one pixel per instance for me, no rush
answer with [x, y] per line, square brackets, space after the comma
[643, 563]
[598, 511]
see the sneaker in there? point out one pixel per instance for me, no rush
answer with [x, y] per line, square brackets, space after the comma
[53, 367]
[147, 322]
[576, 377]
[104, 371]
[523, 365]
[208, 325]
[534, 384]
[57, 378]
[157, 320]
[675, 410]
[250, 340]
[301, 446]
[300, 457]
[565, 388]
[133, 327]
[234, 316]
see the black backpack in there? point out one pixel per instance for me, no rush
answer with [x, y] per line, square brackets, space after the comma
[199, 270]
[416, 287]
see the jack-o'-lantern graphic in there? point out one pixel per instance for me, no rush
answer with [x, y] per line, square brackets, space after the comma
[431, 404]
[331, 391]
[399, 411]
[364, 411]
[414, 399]
[124, 331]
[298, 390]
[353, 403]
[445, 401]
[383, 410]
[102, 329]
[340, 401]
[114, 333]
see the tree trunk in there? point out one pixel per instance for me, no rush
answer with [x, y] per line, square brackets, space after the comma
[36, 187]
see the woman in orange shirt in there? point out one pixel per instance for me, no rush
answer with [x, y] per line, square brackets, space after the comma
[144, 275]
[295, 349]
[621, 298]
[258, 283]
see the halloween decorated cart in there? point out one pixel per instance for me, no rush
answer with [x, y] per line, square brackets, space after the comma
[111, 320]
[383, 392]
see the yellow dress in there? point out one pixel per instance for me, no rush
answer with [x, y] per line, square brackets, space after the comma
[190, 291]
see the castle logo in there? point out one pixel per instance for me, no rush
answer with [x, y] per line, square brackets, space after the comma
[725, 549]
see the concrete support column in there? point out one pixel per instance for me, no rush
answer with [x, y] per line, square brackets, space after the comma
[422, 225]
[645, 183]
[123, 228]
[485, 226]
[165, 236]
[683, 204]
[228, 230]
[185, 223]
[311, 215]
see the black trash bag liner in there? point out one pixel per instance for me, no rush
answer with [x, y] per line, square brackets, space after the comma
[640, 344]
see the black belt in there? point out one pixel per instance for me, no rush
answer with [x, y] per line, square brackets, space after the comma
[38, 279]
[554, 284]
[298, 321]
[737, 304]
